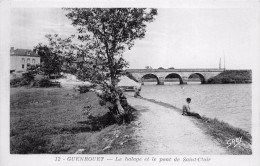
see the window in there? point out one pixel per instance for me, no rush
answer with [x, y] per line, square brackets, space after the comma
[22, 66]
[33, 61]
[23, 60]
[28, 60]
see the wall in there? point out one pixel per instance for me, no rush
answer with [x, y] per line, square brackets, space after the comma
[17, 62]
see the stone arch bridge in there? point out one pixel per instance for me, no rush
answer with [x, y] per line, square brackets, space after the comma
[182, 74]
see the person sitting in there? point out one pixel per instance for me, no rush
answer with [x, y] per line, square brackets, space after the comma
[186, 107]
[137, 91]
[186, 110]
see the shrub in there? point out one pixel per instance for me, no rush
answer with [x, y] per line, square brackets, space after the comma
[108, 99]
[29, 143]
[15, 82]
[28, 76]
[44, 82]
[47, 83]
[84, 88]
[20, 82]
[102, 102]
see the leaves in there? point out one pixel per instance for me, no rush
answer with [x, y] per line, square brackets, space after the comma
[97, 50]
[110, 31]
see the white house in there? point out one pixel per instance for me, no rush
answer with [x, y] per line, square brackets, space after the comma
[22, 58]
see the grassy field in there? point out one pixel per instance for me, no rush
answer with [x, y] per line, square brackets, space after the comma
[58, 120]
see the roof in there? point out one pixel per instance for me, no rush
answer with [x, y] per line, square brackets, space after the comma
[23, 52]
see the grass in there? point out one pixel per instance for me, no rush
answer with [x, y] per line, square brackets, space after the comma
[219, 131]
[57, 120]
[222, 132]
[60, 121]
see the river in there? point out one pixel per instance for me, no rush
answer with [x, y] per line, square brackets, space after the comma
[228, 102]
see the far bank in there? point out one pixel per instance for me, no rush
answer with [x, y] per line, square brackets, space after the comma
[232, 77]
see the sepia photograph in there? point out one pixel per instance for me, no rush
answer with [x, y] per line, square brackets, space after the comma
[133, 81]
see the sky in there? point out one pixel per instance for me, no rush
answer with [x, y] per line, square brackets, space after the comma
[178, 37]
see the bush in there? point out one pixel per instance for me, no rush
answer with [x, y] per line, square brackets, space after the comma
[20, 82]
[44, 82]
[84, 88]
[102, 102]
[26, 80]
[47, 83]
[108, 99]
[15, 82]
[28, 76]
[29, 143]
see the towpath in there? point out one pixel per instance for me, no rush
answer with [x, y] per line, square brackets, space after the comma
[163, 131]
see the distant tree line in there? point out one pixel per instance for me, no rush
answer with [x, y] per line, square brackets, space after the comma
[232, 77]
[150, 67]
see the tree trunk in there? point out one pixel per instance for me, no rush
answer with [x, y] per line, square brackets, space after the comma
[121, 110]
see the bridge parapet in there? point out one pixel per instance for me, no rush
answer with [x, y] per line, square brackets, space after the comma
[172, 70]
[182, 74]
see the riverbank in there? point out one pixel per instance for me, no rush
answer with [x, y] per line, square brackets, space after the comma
[62, 121]
[163, 131]
[220, 131]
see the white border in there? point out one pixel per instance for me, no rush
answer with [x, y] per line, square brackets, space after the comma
[7, 159]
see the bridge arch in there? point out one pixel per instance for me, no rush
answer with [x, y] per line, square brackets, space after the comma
[174, 75]
[202, 78]
[150, 75]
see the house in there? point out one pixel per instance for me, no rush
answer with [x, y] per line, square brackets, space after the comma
[22, 58]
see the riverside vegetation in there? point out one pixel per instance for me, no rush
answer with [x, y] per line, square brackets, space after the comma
[232, 77]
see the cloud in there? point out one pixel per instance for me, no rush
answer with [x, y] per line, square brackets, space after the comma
[29, 25]
[178, 37]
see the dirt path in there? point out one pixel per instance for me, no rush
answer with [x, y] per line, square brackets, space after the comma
[162, 130]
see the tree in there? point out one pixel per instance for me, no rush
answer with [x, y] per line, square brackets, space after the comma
[55, 56]
[106, 33]
[148, 67]
[161, 68]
